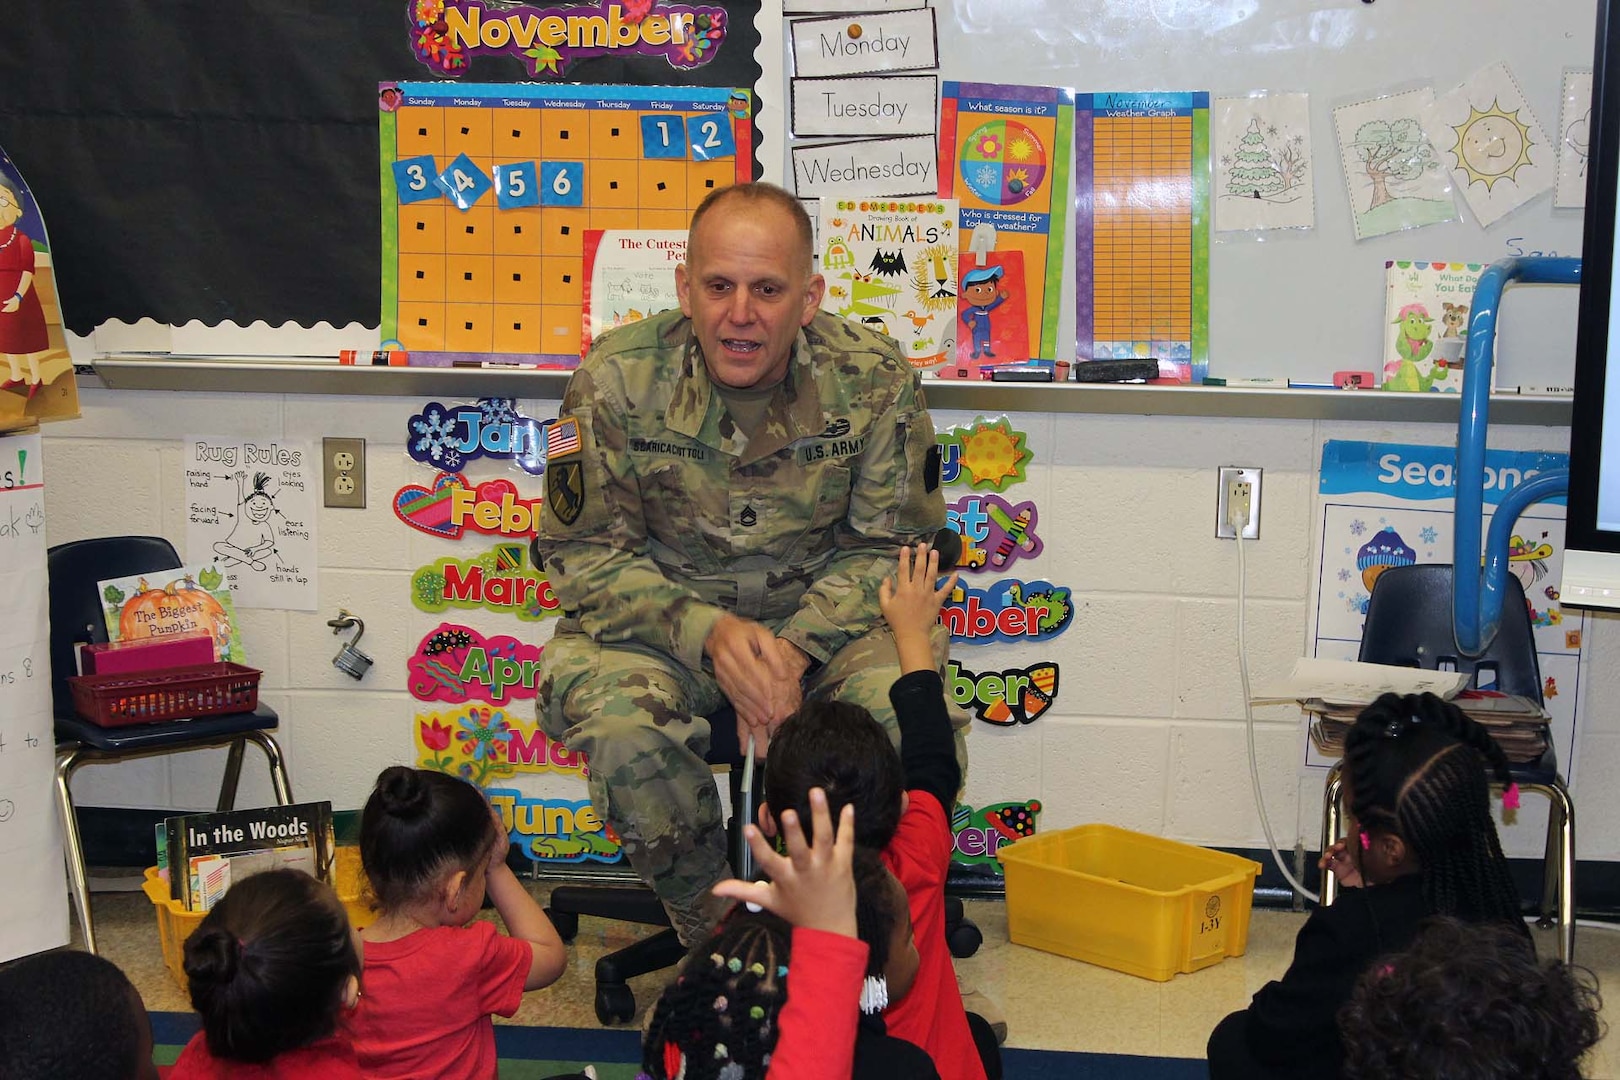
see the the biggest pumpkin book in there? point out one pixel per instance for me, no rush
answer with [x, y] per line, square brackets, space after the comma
[165, 603]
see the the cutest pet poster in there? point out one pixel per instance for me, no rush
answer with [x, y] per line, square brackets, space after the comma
[890, 265]
[1384, 505]
[250, 514]
[1426, 306]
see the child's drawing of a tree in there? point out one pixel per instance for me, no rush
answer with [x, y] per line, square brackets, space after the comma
[1289, 161]
[1391, 152]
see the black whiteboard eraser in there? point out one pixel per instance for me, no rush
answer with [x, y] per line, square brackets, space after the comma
[1115, 370]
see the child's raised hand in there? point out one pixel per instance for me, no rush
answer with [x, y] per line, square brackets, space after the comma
[909, 600]
[813, 885]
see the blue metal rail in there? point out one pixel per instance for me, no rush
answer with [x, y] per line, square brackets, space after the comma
[1477, 591]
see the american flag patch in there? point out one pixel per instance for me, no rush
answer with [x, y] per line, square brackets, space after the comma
[562, 438]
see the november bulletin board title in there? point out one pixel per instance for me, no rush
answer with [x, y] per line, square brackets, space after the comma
[445, 34]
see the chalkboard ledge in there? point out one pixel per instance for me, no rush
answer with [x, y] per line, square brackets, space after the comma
[135, 372]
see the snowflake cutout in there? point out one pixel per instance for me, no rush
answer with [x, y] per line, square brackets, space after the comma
[437, 433]
[1344, 575]
[498, 411]
[1358, 527]
[1428, 534]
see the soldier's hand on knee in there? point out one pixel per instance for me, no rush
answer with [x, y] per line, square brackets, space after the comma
[746, 663]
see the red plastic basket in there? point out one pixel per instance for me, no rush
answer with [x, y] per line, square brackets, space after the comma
[174, 694]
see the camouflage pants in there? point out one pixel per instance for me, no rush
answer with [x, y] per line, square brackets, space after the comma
[640, 717]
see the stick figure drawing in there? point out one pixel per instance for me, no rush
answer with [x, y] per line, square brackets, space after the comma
[253, 536]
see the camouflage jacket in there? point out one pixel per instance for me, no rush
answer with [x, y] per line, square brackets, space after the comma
[668, 516]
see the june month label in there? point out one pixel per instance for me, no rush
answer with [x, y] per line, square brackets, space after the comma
[892, 105]
[856, 45]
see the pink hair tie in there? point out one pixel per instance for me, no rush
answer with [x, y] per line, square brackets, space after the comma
[1365, 842]
[1510, 797]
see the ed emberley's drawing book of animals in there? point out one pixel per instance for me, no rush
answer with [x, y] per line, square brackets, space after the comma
[1425, 328]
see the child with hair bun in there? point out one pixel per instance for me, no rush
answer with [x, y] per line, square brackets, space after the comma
[272, 971]
[1423, 843]
[434, 974]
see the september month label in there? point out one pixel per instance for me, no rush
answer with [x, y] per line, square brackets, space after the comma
[250, 514]
[856, 45]
[885, 105]
[877, 167]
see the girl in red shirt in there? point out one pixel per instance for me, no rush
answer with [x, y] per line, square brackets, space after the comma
[434, 972]
[272, 971]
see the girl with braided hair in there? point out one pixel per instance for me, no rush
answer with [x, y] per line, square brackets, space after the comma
[1422, 842]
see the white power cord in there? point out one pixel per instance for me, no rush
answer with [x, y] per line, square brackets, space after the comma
[1248, 712]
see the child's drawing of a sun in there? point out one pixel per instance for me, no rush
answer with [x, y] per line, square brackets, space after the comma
[1492, 145]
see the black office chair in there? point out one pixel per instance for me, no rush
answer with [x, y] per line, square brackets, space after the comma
[1409, 624]
[76, 616]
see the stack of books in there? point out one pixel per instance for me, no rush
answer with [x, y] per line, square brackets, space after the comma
[1518, 724]
[200, 855]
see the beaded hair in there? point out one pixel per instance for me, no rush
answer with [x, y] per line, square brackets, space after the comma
[1416, 768]
[717, 1020]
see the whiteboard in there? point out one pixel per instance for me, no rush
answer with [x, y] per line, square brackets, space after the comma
[1306, 305]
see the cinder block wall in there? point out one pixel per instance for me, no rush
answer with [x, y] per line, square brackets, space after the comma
[1147, 731]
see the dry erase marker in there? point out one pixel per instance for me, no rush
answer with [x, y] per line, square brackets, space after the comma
[1254, 384]
[1307, 384]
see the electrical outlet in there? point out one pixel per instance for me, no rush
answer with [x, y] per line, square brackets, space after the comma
[343, 472]
[1238, 493]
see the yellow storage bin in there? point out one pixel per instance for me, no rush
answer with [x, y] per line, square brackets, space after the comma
[175, 923]
[1128, 901]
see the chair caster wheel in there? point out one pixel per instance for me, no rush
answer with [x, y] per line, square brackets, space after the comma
[566, 924]
[615, 1003]
[964, 939]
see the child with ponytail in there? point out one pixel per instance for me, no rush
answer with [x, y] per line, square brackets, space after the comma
[272, 971]
[1421, 842]
[434, 973]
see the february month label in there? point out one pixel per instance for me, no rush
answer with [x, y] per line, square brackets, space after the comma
[250, 514]
[875, 167]
[893, 41]
[873, 105]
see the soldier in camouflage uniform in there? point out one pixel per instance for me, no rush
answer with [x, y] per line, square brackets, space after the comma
[726, 486]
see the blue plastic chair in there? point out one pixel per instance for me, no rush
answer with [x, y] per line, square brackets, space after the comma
[76, 616]
[1470, 615]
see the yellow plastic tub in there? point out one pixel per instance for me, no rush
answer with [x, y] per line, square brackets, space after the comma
[1128, 901]
[175, 923]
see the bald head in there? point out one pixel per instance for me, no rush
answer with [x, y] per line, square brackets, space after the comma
[748, 198]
